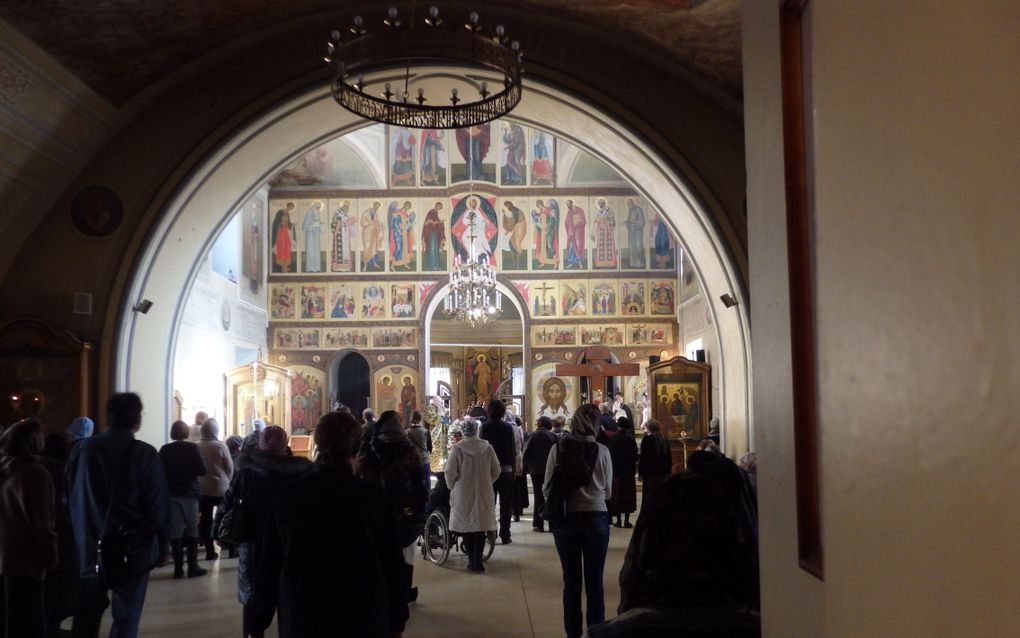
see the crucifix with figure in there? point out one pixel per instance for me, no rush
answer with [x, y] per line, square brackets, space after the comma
[598, 365]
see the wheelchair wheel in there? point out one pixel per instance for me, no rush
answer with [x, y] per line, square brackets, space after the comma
[490, 545]
[435, 545]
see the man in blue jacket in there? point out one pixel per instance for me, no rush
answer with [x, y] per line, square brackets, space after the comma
[114, 466]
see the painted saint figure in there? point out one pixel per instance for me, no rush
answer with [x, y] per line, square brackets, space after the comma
[433, 158]
[662, 245]
[252, 269]
[554, 395]
[408, 399]
[605, 236]
[312, 227]
[541, 162]
[342, 228]
[482, 379]
[474, 221]
[402, 152]
[433, 240]
[473, 143]
[514, 154]
[575, 257]
[371, 238]
[515, 227]
[635, 225]
[387, 392]
[401, 221]
[546, 219]
[283, 239]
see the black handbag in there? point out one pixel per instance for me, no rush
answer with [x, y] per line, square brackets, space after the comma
[554, 509]
[231, 527]
[130, 550]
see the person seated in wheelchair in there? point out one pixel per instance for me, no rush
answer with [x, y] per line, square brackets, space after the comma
[439, 497]
[470, 472]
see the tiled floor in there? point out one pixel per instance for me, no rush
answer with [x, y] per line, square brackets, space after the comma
[517, 597]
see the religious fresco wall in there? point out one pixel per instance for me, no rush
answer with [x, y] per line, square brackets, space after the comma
[352, 268]
[307, 397]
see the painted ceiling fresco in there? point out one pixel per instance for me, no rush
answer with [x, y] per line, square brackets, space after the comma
[120, 47]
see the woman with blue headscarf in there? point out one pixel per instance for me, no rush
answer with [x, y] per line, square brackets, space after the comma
[81, 429]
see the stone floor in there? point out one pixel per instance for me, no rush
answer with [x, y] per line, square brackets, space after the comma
[518, 596]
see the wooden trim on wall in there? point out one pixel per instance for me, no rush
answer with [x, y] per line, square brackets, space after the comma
[800, 246]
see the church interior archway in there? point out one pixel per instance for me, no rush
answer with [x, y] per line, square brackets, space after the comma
[317, 301]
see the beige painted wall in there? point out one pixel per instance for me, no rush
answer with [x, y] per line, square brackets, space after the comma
[915, 118]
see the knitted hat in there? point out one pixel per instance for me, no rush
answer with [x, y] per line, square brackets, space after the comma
[258, 425]
[81, 428]
[273, 440]
[469, 426]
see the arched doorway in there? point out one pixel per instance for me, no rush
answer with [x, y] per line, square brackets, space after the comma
[170, 262]
[350, 382]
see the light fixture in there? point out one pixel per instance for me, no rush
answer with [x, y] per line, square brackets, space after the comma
[142, 306]
[473, 296]
[412, 44]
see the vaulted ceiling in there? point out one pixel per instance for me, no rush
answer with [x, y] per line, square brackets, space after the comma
[120, 47]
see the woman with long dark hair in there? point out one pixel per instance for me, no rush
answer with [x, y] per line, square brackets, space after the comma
[586, 471]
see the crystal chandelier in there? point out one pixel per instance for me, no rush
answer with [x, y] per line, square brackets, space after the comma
[473, 296]
[422, 42]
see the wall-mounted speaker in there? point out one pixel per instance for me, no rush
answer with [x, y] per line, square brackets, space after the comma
[699, 355]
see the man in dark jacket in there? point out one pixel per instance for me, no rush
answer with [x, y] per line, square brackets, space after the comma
[500, 436]
[101, 467]
[536, 453]
[331, 560]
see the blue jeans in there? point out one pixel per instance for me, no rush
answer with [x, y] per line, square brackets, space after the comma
[92, 602]
[581, 542]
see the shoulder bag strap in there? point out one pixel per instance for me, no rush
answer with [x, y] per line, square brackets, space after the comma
[113, 490]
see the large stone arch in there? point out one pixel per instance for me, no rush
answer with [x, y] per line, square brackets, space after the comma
[186, 227]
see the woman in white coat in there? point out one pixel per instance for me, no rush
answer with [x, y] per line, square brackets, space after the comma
[470, 472]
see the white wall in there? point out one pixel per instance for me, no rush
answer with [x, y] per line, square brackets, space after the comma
[791, 599]
[916, 133]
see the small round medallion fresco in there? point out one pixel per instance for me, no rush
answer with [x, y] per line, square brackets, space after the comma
[381, 358]
[97, 211]
[316, 358]
[282, 358]
[538, 356]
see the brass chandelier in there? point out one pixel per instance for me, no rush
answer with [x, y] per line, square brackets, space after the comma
[420, 42]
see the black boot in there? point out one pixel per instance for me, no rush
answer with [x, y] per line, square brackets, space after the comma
[412, 592]
[480, 542]
[626, 520]
[210, 550]
[469, 548]
[191, 544]
[617, 523]
[178, 554]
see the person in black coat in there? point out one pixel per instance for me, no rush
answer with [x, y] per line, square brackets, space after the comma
[112, 462]
[331, 562]
[61, 584]
[500, 436]
[655, 463]
[623, 450]
[536, 453]
[389, 462]
[257, 478]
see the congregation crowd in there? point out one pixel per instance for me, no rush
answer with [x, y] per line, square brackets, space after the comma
[327, 547]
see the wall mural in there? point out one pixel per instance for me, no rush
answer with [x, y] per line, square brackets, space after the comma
[253, 257]
[306, 397]
[481, 374]
[561, 232]
[396, 388]
[554, 396]
[351, 269]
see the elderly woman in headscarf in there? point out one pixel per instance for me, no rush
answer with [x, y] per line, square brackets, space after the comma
[257, 477]
[28, 538]
[470, 472]
[80, 429]
[219, 467]
[389, 461]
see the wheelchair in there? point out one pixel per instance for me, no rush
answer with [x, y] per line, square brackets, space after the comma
[437, 539]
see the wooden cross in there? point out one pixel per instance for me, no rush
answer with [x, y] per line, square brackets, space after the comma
[597, 368]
